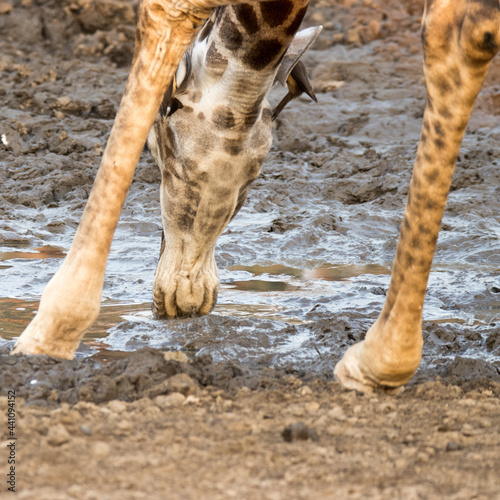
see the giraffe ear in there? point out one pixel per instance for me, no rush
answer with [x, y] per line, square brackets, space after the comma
[300, 44]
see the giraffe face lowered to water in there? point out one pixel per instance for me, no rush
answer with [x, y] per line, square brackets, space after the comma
[210, 138]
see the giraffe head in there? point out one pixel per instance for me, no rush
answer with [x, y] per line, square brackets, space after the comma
[210, 138]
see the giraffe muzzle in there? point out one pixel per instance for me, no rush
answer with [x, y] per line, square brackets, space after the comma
[184, 289]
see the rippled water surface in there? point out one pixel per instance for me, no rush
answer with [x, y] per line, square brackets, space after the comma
[305, 265]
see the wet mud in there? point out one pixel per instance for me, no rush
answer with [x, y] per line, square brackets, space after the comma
[250, 404]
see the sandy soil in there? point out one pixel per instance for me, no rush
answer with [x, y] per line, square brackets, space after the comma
[254, 411]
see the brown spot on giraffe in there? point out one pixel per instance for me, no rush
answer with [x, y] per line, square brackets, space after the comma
[294, 26]
[455, 75]
[415, 242]
[263, 53]
[275, 13]
[438, 128]
[215, 60]
[195, 97]
[223, 117]
[432, 175]
[233, 146]
[443, 86]
[439, 143]
[230, 34]
[247, 17]
[445, 113]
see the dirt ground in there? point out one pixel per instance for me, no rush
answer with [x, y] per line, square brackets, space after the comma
[252, 411]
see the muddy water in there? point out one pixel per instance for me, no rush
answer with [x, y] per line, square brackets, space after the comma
[305, 266]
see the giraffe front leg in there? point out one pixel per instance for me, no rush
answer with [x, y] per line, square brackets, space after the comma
[71, 300]
[460, 39]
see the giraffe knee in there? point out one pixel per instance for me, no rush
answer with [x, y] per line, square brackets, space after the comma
[480, 36]
[473, 27]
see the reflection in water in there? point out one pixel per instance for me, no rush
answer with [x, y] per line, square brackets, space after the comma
[276, 269]
[45, 252]
[273, 313]
[262, 286]
[342, 272]
[15, 315]
[328, 272]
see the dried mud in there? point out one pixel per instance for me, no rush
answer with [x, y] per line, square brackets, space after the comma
[253, 410]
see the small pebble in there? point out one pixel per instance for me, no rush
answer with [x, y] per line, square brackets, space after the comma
[175, 356]
[101, 449]
[172, 400]
[57, 435]
[117, 406]
[182, 383]
[337, 413]
[299, 432]
[5, 8]
[86, 429]
[453, 446]
[312, 407]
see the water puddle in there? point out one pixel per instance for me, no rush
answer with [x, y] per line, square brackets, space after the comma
[262, 311]
[327, 272]
[111, 315]
[45, 252]
[261, 286]
[266, 313]
[16, 314]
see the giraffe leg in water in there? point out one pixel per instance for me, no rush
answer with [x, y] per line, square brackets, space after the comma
[460, 39]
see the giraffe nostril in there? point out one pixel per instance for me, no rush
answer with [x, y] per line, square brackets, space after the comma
[182, 293]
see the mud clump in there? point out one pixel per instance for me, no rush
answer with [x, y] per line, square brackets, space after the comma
[146, 373]
[43, 380]
[473, 369]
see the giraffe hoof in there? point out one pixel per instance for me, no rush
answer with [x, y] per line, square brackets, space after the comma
[350, 374]
[30, 346]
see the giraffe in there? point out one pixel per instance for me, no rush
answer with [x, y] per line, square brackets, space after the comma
[210, 137]
[460, 38]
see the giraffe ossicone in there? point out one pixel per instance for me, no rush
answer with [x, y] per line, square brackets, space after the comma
[210, 138]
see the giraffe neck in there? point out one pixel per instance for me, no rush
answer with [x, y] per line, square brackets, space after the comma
[211, 144]
[237, 53]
